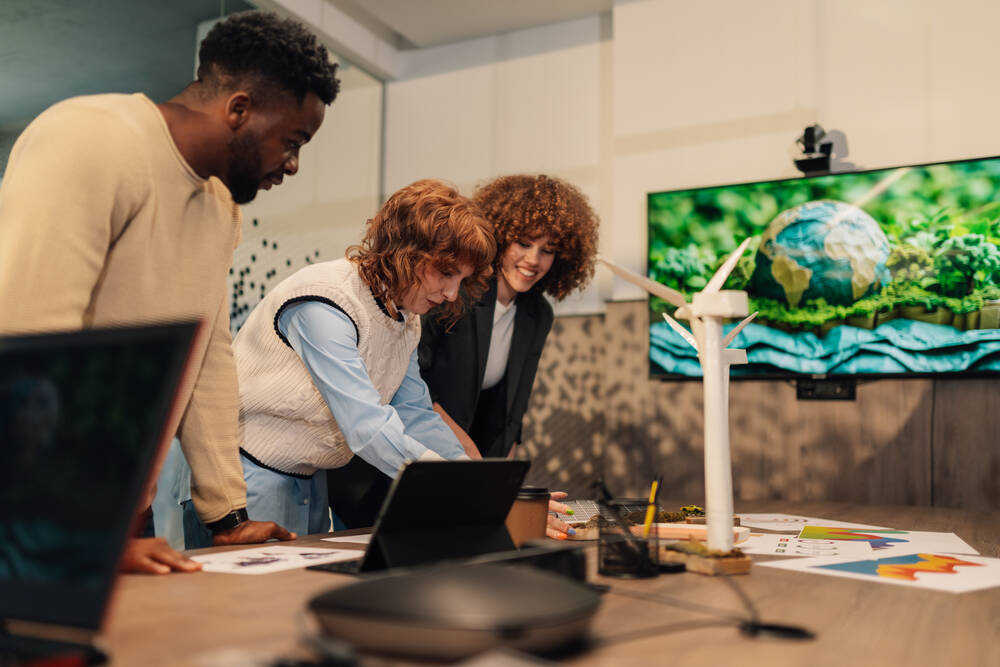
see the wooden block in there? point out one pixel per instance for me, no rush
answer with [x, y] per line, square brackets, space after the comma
[665, 531]
[696, 559]
[689, 531]
[702, 520]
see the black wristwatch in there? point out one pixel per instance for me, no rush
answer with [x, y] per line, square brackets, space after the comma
[230, 521]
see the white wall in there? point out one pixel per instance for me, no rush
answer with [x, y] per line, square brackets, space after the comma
[531, 101]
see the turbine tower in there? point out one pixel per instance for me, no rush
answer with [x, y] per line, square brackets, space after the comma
[706, 313]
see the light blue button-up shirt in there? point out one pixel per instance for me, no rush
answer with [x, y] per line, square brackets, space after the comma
[385, 436]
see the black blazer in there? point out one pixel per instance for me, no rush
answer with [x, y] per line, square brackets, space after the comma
[452, 363]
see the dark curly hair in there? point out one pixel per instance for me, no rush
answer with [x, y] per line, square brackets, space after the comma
[526, 207]
[262, 50]
[427, 222]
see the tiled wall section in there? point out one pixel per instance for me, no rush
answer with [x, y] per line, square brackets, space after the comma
[594, 412]
[564, 428]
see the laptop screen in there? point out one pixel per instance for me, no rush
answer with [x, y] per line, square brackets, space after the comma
[81, 415]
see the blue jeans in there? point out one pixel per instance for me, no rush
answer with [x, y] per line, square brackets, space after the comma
[173, 511]
[173, 487]
[300, 505]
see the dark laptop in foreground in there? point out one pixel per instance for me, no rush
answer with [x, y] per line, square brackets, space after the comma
[441, 510]
[82, 421]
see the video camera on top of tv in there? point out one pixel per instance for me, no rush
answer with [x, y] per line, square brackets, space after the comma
[816, 153]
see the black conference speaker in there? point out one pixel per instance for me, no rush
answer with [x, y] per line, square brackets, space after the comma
[450, 612]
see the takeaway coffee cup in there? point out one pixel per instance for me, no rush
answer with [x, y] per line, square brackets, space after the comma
[528, 515]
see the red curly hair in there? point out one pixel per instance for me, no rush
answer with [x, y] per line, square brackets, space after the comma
[426, 223]
[526, 207]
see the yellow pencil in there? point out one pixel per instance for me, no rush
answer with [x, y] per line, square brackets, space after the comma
[650, 511]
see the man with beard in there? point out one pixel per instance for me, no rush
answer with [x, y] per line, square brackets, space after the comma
[115, 210]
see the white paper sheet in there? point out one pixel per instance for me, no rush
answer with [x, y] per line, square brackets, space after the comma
[268, 559]
[791, 522]
[937, 571]
[887, 540]
[350, 539]
[771, 544]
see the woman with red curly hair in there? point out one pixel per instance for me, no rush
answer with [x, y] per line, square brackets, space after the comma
[327, 361]
[480, 370]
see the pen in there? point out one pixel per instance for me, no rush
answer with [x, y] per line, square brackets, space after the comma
[650, 508]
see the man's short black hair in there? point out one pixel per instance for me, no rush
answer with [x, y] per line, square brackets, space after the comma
[262, 50]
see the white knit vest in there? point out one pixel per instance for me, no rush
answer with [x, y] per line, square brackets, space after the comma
[284, 422]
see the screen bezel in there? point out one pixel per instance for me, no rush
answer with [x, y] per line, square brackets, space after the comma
[73, 604]
[656, 372]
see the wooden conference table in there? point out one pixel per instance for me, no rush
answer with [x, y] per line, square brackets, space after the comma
[222, 619]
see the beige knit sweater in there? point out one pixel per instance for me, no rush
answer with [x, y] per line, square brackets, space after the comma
[103, 223]
[285, 422]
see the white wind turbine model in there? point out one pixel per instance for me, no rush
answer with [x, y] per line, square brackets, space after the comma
[706, 312]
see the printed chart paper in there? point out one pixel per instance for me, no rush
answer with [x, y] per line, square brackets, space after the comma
[935, 571]
[265, 560]
[771, 544]
[350, 539]
[887, 540]
[792, 522]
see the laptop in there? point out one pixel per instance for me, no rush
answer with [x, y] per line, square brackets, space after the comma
[83, 419]
[441, 510]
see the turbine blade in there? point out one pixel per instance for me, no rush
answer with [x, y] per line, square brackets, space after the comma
[866, 197]
[881, 186]
[739, 327]
[666, 293]
[715, 284]
[684, 333]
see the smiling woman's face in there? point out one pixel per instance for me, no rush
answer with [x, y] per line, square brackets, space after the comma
[525, 262]
[435, 286]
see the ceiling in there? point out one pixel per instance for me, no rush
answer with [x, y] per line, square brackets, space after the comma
[425, 23]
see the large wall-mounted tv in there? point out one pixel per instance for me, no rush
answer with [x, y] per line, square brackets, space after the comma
[883, 273]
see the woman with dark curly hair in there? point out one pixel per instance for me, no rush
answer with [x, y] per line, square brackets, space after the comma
[327, 361]
[481, 369]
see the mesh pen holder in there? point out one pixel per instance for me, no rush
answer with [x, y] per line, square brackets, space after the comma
[622, 551]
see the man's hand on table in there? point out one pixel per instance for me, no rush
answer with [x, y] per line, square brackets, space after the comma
[556, 528]
[252, 532]
[152, 555]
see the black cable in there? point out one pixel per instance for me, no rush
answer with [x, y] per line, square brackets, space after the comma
[747, 602]
[750, 627]
[776, 630]
[656, 631]
[670, 601]
[330, 651]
